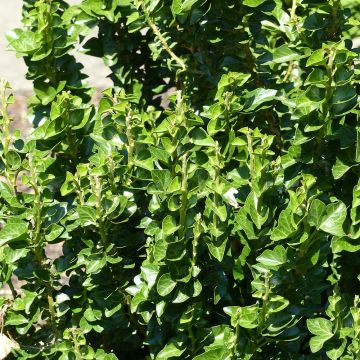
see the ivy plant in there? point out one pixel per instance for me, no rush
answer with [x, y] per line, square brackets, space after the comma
[222, 223]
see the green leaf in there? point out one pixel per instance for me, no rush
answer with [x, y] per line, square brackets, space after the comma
[283, 54]
[181, 7]
[169, 225]
[200, 137]
[285, 228]
[24, 42]
[253, 3]
[169, 350]
[165, 285]
[217, 247]
[339, 169]
[245, 316]
[258, 97]
[15, 319]
[13, 160]
[95, 263]
[340, 244]
[258, 213]
[316, 58]
[277, 304]
[334, 218]
[274, 257]
[336, 352]
[213, 354]
[45, 92]
[344, 99]
[92, 315]
[316, 212]
[13, 231]
[150, 272]
[188, 4]
[328, 218]
[87, 215]
[322, 328]
[68, 186]
[161, 181]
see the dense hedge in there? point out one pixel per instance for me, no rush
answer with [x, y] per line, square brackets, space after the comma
[225, 226]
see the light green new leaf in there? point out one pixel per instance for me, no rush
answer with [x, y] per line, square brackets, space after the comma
[24, 42]
[169, 225]
[322, 329]
[339, 244]
[337, 351]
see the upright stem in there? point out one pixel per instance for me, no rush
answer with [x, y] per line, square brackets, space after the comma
[251, 154]
[293, 10]
[50, 65]
[6, 122]
[12, 289]
[11, 176]
[37, 242]
[79, 190]
[111, 173]
[216, 181]
[335, 18]
[99, 212]
[130, 139]
[328, 92]
[192, 338]
[51, 305]
[73, 145]
[77, 350]
[163, 41]
[236, 340]
[195, 246]
[265, 303]
[130, 146]
[184, 193]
